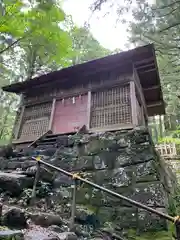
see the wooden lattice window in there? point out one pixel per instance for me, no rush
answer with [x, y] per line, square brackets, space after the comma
[37, 111]
[35, 127]
[111, 107]
[35, 121]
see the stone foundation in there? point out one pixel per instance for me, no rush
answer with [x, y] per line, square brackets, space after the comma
[123, 161]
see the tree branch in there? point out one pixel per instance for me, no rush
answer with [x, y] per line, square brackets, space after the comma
[171, 26]
[166, 6]
[173, 10]
[11, 45]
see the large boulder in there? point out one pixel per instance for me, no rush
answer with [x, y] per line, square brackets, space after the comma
[15, 218]
[46, 219]
[45, 173]
[14, 183]
[6, 151]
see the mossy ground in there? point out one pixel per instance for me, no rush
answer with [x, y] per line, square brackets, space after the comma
[159, 235]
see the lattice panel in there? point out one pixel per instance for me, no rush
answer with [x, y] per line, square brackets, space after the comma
[111, 107]
[37, 111]
[35, 121]
[34, 127]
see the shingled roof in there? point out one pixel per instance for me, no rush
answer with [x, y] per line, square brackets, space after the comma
[143, 58]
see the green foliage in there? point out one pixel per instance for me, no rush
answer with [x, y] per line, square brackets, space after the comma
[169, 140]
[37, 37]
[85, 47]
[156, 236]
[159, 23]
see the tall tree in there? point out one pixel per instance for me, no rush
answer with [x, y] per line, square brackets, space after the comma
[160, 23]
[85, 46]
[32, 41]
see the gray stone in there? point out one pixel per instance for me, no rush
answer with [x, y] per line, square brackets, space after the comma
[67, 236]
[123, 159]
[10, 234]
[28, 163]
[146, 172]
[46, 219]
[105, 213]
[13, 165]
[46, 174]
[14, 218]
[107, 159]
[14, 183]
[121, 177]
[151, 194]
[84, 163]
[62, 180]
[125, 217]
[55, 228]
[148, 221]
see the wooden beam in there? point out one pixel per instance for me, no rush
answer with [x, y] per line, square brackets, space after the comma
[114, 127]
[89, 110]
[151, 88]
[146, 71]
[39, 138]
[133, 104]
[20, 122]
[144, 66]
[147, 60]
[156, 104]
[90, 87]
[52, 114]
[140, 92]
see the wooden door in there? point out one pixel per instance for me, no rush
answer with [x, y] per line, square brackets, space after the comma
[70, 114]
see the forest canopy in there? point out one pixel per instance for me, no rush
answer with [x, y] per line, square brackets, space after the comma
[37, 36]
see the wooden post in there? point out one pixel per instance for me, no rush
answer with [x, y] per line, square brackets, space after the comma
[89, 110]
[133, 104]
[33, 196]
[52, 114]
[177, 224]
[18, 127]
[73, 207]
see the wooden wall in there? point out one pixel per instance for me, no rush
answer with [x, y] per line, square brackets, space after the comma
[70, 114]
[111, 103]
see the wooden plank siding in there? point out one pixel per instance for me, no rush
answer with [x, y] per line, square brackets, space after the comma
[52, 114]
[103, 106]
[46, 93]
[140, 94]
[70, 114]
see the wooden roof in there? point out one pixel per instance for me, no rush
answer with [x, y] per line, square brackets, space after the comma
[143, 58]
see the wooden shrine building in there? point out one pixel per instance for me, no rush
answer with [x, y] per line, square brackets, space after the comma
[115, 92]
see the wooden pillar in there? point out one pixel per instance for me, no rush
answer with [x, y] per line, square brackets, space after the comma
[52, 114]
[73, 207]
[89, 110]
[133, 104]
[18, 127]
